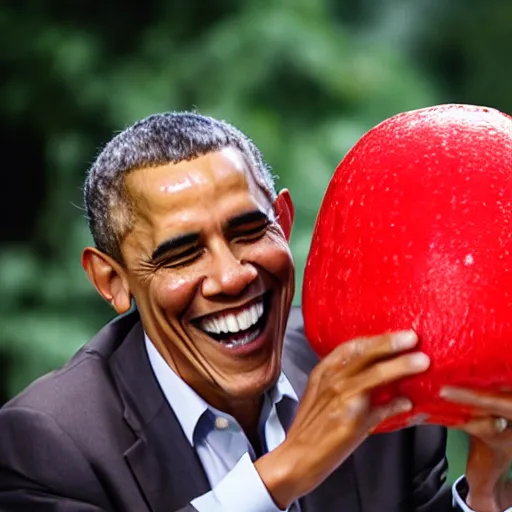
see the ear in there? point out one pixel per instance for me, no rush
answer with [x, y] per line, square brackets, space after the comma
[108, 278]
[283, 207]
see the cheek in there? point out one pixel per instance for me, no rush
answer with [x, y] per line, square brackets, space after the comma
[174, 292]
[273, 255]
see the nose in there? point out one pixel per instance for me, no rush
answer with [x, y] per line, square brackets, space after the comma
[227, 275]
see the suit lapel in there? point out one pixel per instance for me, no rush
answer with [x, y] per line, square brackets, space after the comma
[165, 466]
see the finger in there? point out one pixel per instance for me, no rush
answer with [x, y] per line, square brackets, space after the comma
[390, 370]
[418, 419]
[414, 421]
[361, 352]
[383, 412]
[484, 427]
[494, 405]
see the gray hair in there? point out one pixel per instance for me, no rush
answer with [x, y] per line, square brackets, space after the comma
[156, 140]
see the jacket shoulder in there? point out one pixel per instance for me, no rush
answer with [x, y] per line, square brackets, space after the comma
[82, 390]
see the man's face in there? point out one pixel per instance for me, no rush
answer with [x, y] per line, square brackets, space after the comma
[211, 272]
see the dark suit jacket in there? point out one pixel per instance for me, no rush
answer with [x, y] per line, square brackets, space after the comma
[98, 435]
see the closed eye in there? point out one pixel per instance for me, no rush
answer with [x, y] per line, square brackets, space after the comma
[183, 258]
[250, 234]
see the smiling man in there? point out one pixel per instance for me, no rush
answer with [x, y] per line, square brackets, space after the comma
[204, 395]
[211, 274]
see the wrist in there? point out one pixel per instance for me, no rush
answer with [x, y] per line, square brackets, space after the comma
[279, 473]
[495, 497]
[504, 492]
[480, 503]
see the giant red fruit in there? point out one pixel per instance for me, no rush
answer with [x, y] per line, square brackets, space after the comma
[415, 231]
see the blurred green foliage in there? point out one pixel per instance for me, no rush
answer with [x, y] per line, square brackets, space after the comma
[304, 78]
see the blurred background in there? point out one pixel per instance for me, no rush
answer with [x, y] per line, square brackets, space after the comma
[304, 78]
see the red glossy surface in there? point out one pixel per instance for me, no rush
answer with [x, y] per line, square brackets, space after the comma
[415, 231]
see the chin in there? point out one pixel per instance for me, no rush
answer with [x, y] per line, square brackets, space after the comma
[255, 383]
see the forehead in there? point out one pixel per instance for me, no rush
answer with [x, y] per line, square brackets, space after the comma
[189, 191]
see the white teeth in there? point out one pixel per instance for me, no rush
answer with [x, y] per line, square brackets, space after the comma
[252, 314]
[223, 326]
[244, 340]
[244, 320]
[209, 324]
[233, 323]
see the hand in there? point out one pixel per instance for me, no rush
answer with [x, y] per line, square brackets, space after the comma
[336, 415]
[490, 453]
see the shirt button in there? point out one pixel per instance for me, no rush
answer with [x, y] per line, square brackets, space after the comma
[221, 423]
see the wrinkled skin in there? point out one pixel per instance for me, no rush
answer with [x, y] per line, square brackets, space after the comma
[217, 268]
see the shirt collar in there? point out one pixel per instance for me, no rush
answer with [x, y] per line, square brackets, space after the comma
[282, 389]
[186, 403]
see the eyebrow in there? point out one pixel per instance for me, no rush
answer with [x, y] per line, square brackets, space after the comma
[179, 242]
[246, 218]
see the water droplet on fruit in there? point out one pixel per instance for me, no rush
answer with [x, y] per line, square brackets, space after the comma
[468, 260]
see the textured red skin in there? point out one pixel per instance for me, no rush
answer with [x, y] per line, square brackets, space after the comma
[415, 231]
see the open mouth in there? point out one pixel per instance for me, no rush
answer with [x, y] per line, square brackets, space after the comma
[239, 327]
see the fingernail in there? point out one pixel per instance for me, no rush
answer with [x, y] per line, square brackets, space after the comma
[404, 339]
[419, 419]
[446, 392]
[403, 405]
[420, 360]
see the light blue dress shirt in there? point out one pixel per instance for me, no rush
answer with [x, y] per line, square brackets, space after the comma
[221, 445]
[458, 501]
[224, 450]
